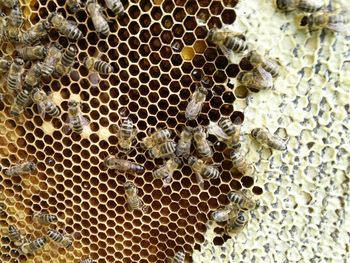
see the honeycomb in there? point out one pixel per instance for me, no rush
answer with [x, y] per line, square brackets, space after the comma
[158, 52]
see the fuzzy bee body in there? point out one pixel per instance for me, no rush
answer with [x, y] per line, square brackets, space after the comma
[15, 235]
[33, 53]
[73, 5]
[163, 150]
[88, 260]
[228, 41]
[64, 65]
[157, 137]
[53, 56]
[5, 65]
[44, 218]
[16, 16]
[266, 63]
[64, 239]
[201, 144]
[224, 214]
[184, 144]
[98, 65]
[257, 79]
[30, 247]
[199, 167]
[116, 6]
[167, 170]
[194, 107]
[123, 166]
[241, 200]
[134, 201]
[264, 137]
[45, 104]
[13, 33]
[309, 6]
[36, 32]
[20, 169]
[33, 77]
[9, 3]
[97, 17]
[235, 225]
[64, 26]
[3, 26]
[239, 161]
[126, 134]
[15, 75]
[232, 130]
[21, 101]
[179, 257]
[75, 120]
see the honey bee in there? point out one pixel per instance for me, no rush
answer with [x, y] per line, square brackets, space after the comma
[166, 171]
[64, 26]
[184, 144]
[3, 26]
[232, 130]
[236, 224]
[76, 120]
[64, 239]
[179, 257]
[16, 16]
[74, 5]
[123, 166]
[157, 137]
[30, 247]
[202, 169]
[45, 104]
[97, 65]
[15, 235]
[44, 218]
[228, 41]
[225, 213]
[267, 64]
[116, 6]
[337, 21]
[238, 161]
[14, 76]
[64, 65]
[126, 134]
[194, 107]
[257, 79]
[33, 53]
[88, 260]
[264, 137]
[53, 56]
[97, 17]
[13, 33]
[308, 6]
[241, 200]
[5, 65]
[9, 3]
[163, 150]
[20, 169]
[201, 144]
[36, 32]
[134, 201]
[21, 101]
[33, 76]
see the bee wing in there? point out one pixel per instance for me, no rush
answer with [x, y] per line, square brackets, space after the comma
[41, 109]
[67, 126]
[200, 181]
[84, 121]
[337, 27]
[265, 78]
[167, 180]
[193, 109]
[227, 52]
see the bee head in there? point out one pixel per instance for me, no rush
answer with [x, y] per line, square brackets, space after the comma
[32, 166]
[19, 61]
[129, 186]
[304, 21]
[192, 160]
[72, 104]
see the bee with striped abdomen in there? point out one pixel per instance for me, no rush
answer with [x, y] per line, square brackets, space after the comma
[264, 137]
[35, 33]
[44, 218]
[123, 166]
[33, 53]
[3, 26]
[236, 224]
[166, 171]
[156, 138]
[232, 130]
[13, 33]
[126, 134]
[163, 150]
[63, 239]
[75, 121]
[194, 107]
[337, 21]
[116, 6]
[179, 257]
[309, 6]
[95, 11]
[14, 76]
[64, 65]
[45, 103]
[202, 146]
[95, 64]
[134, 201]
[183, 148]
[225, 213]
[33, 77]
[53, 56]
[256, 79]
[239, 162]
[199, 167]
[73, 5]
[241, 200]
[21, 101]
[64, 26]
[228, 41]
[15, 236]
[16, 16]
[267, 64]
[30, 247]
[20, 169]
[87, 260]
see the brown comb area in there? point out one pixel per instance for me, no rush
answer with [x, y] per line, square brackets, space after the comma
[152, 82]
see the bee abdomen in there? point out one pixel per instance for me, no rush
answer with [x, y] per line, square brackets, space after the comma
[126, 128]
[38, 243]
[227, 126]
[77, 126]
[52, 110]
[74, 33]
[13, 81]
[68, 57]
[211, 172]
[235, 44]
[102, 67]
[22, 98]
[179, 257]
[14, 234]
[118, 8]
[55, 235]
